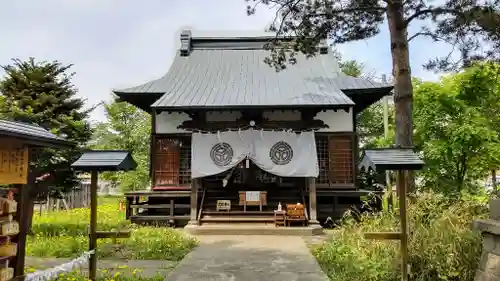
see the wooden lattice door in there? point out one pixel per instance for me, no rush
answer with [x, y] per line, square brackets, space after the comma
[167, 162]
[340, 149]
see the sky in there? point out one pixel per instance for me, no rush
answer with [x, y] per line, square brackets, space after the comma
[119, 44]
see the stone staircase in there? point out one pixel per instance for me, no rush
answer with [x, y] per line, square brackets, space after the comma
[252, 215]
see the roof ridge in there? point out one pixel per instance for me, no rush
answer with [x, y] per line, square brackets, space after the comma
[233, 40]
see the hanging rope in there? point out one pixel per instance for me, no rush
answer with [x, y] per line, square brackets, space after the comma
[52, 273]
[250, 128]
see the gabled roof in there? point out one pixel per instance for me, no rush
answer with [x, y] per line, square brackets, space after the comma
[227, 69]
[390, 159]
[105, 160]
[33, 135]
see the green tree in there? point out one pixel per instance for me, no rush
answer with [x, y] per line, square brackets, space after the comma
[481, 89]
[126, 128]
[42, 93]
[455, 128]
[468, 25]
[351, 68]
[369, 122]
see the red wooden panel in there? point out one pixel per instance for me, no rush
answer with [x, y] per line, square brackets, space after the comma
[340, 149]
[167, 161]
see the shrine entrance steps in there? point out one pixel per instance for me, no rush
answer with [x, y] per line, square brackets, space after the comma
[253, 229]
[237, 213]
[237, 216]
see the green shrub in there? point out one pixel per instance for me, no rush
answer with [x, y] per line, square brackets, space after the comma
[442, 246]
[64, 234]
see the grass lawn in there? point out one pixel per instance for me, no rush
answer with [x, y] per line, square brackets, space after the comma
[64, 234]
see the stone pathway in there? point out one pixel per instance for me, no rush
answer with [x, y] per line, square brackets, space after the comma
[249, 258]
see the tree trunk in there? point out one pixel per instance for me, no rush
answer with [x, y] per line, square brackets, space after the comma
[494, 180]
[403, 89]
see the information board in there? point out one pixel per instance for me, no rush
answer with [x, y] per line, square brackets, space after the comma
[252, 196]
[13, 163]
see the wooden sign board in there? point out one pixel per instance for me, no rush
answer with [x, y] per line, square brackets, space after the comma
[253, 198]
[223, 205]
[13, 162]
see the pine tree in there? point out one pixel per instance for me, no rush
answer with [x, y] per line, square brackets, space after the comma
[468, 25]
[42, 93]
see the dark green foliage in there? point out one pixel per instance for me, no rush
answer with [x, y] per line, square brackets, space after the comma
[42, 93]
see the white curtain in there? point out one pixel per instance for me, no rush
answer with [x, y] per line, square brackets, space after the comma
[283, 154]
[212, 154]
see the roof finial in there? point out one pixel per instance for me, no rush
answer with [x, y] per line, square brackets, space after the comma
[323, 46]
[185, 43]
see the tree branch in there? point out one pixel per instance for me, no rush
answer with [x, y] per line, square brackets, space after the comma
[349, 10]
[422, 34]
[431, 11]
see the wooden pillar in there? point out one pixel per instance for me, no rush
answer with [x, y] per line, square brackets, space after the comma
[128, 208]
[401, 185]
[195, 184]
[93, 226]
[21, 216]
[312, 201]
[152, 150]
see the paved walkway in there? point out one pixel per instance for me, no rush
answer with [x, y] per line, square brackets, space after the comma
[249, 258]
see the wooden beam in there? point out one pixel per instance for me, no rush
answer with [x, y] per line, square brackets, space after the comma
[93, 226]
[158, 217]
[159, 206]
[112, 234]
[383, 235]
[128, 207]
[311, 182]
[401, 185]
[179, 193]
[195, 184]
[241, 123]
[22, 206]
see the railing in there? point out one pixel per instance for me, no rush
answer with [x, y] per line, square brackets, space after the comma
[201, 205]
[304, 202]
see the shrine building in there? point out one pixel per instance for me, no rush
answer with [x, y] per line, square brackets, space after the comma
[233, 139]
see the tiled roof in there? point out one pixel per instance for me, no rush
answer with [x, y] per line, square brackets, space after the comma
[221, 69]
[105, 160]
[32, 134]
[390, 159]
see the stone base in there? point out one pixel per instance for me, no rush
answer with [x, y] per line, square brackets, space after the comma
[249, 229]
[313, 222]
[483, 276]
[489, 266]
